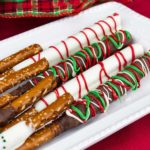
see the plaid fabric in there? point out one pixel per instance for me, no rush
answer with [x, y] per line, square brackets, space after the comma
[43, 8]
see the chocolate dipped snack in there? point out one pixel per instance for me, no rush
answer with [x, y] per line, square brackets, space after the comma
[12, 60]
[26, 100]
[23, 74]
[34, 123]
[74, 43]
[86, 81]
[76, 63]
[97, 101]
[91, 78]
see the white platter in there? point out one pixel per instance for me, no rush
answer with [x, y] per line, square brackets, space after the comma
[121, 113]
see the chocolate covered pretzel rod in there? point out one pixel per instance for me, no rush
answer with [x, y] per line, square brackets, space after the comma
[12, 60]
[23, 74]
[76, 63]
[63, 72]
[88, 80]
[26, 100]
[97, 101]
[30, 125]
[74, 43]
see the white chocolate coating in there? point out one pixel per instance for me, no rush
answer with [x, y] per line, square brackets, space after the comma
[15, 136]
[92, 76]
[73, 46]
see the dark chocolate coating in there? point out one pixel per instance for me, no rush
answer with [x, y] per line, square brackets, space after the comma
[5, 114]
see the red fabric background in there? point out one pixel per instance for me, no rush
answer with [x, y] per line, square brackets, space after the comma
[134, 137]
[16, 26]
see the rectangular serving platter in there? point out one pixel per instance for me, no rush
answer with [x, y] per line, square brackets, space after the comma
[126, 110]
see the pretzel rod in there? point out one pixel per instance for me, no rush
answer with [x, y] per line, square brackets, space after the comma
[24, 116]
[76, 42]
[30, 125]
[44, 135]
[26, 100]
[51, 112]
[6, 73]
[23, 74]
[97, 101]
[14, 59]
[88, 80]
[76, 63]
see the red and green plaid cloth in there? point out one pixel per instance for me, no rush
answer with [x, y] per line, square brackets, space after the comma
[43, 8]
